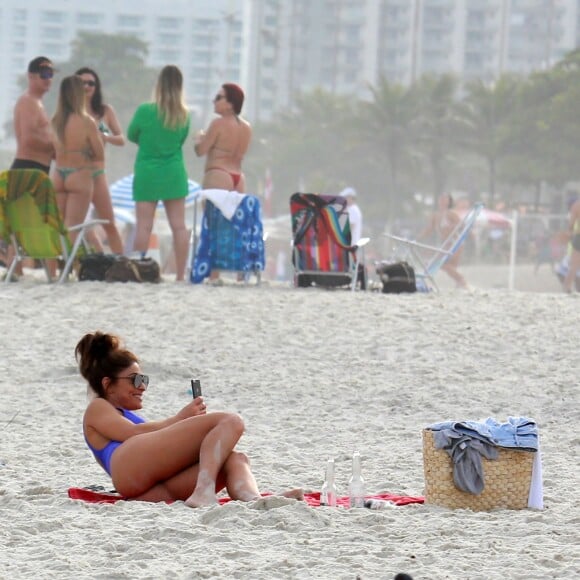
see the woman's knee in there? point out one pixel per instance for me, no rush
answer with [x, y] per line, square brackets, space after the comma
[237, 458]
[235, 422]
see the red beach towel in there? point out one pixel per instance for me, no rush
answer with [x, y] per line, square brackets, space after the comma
[312, 499]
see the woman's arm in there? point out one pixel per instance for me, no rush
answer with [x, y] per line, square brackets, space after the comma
[95, 140]
[106, 420]
[205, 141]
[116, 136]
[185, 132]
[134, 127]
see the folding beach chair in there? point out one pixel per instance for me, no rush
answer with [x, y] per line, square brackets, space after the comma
[231, 238]
[33, 222]
[428, 260]
[322, 253]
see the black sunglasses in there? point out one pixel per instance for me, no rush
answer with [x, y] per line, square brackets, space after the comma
[45, 73]
[90, 83]
[138, 380]
[218, 98]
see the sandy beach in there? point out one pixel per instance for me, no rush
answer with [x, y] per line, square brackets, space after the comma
[315, 374]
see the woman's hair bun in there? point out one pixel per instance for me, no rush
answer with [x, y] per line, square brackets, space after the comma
[102, 344]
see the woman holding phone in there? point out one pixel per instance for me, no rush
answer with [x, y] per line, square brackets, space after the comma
[190, 456]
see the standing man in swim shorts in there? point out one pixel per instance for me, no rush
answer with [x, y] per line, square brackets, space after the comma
[34, 147]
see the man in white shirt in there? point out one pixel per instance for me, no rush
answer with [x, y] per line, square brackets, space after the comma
[356, 221]
[354, 214]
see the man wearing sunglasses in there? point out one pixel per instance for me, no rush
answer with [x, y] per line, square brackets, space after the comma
[34, 146]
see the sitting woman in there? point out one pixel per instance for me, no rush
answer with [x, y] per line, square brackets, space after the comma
[190, 456]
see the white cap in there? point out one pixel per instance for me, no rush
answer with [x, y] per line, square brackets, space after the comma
[348, 192]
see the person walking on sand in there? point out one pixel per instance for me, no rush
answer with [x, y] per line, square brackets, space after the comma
[34, 146]
[443, 222]
[110, 132]
[225, 144]
[160, 129]
[79, 153]
[190, 456]
[574, 263]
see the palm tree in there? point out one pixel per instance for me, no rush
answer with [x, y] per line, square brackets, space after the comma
[385, 127]
[485, 111]
[438, 124]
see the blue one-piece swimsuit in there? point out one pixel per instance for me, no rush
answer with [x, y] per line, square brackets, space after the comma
[103, 456]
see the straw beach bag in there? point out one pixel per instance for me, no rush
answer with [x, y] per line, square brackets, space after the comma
[507, 479]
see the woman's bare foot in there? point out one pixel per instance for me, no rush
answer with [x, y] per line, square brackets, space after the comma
[204, 492]
[297, 493]
[201, 498]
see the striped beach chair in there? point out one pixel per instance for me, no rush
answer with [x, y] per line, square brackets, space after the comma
[322, 252]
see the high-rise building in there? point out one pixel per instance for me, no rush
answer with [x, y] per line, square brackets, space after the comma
[202, 37]
[345, 45]
[280, 48]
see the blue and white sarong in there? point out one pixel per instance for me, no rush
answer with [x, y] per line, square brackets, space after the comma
[235, 245]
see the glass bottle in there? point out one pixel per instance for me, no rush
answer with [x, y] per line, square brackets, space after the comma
[356, 485]
[328, 491]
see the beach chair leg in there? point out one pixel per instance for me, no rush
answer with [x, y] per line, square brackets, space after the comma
[15, 260]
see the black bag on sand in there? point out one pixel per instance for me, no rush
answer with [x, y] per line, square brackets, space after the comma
[93, 267]
[397, 278]
[123, 269]
[111, 268]
[149, 270]
[126, 269]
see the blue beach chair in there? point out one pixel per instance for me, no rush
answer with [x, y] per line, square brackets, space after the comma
[428, 260]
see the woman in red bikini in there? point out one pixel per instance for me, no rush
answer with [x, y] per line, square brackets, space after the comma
[226, 141]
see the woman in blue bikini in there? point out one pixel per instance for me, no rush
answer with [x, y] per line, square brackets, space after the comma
[79, 153]
[190, 456]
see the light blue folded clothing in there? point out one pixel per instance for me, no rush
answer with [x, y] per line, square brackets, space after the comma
[517, 433]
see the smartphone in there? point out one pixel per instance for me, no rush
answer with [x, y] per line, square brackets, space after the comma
[196, 388]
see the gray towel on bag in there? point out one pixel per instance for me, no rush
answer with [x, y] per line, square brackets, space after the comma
[466, 453]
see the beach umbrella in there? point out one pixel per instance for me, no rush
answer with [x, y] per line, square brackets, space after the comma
[122, 193]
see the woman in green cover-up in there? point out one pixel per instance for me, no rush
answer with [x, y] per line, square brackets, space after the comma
[159, 129]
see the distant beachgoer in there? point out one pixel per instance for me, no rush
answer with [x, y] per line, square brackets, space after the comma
[442, 223]
[159, 129]
[190, 456]
[355, 217]
[79, 153]
[110, 132]
[225, 144]
[574, 230]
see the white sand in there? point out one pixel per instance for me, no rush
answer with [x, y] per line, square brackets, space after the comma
[315, 374]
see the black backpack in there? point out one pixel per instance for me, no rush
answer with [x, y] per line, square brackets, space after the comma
[397, 278]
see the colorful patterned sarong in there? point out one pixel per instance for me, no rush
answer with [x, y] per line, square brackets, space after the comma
[235, 245]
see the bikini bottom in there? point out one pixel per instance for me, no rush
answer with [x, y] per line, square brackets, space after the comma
[235, 176]
[64, 172]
